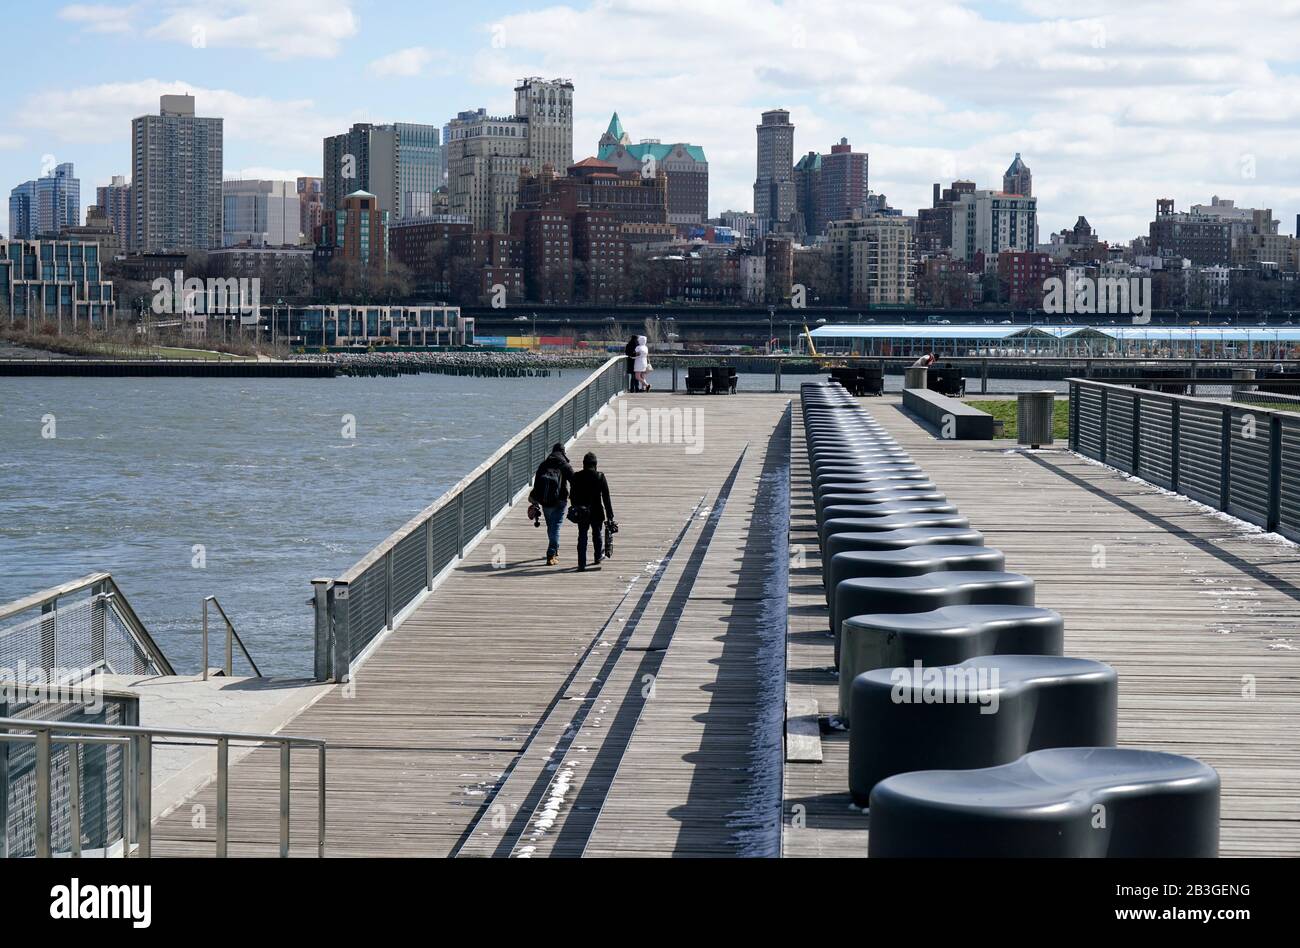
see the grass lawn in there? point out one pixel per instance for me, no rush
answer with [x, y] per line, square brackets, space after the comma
[1005, 410]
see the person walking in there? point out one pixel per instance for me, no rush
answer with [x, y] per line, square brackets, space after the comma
[590, 509]
[630, 351]
[551, 493]
[641, 366]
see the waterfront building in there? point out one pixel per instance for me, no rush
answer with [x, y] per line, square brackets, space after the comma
[54, 281]
[1204, 239]
[358, 231]
[424, 246]
[283, 272]
[176, 165]
[774, 191]
[43, 207]
[1021, 277]
[260, 213]
[685, 165]
[418, 326]
[486, 154]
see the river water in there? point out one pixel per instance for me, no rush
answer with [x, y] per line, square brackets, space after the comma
[243, 489]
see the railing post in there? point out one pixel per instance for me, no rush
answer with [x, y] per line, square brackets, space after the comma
[144, 795]
[673, 359]
[388, 589]
[342, 631]
[487, 479]
[1274, 473]
[205, 639]
[460, 524]
[1074, 416]
[4, 790]
[49, 633]
[1194, 377]
[320, 593]
[223, 797]
[984, 376]
[285, 777]
[1175, 444]
[320, 802]
[98, 608]
[428, 554]
[230, 646]
[1137, 432]
[1105, 405]
[1225, 459]
[74, 798]
[778, 374]
[43, 849]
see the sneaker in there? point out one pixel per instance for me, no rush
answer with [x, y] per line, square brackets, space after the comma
[552, 560]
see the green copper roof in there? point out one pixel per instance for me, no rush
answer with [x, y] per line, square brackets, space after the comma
[615, 128]
[809, 162]
[659, 152]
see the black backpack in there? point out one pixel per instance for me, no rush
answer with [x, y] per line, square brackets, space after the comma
[550, 486]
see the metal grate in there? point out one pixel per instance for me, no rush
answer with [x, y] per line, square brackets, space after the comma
[76, 636]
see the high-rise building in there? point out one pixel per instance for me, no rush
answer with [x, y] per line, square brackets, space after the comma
[487, 153]
[685, 165]
[115, 201]
[176, 175]
[43, 207]
[311, 196]
[874, 259]
[259, 213]
[989, 222]
[934, 224]
[358, 231]
[774, 196]
[831, 187]
[1018, 179]
[401, 164]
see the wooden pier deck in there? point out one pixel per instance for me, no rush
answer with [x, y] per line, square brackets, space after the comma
[458, 733]
[1199, 615]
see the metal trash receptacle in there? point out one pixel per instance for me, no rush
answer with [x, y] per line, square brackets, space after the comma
[915, 377]
[1035, 418]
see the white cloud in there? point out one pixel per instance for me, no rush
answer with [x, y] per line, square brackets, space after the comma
[285, 29]
[99, 17]
[404, 62]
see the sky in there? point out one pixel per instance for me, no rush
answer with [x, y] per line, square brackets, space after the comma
[1112, 110]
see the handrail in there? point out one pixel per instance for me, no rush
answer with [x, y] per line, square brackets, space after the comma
[449, 495]
[231, 634]
[139, 798]
[102, 585]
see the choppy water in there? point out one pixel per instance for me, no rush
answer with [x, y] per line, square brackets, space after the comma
[256, 472]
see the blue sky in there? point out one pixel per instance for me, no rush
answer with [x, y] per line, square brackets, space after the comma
[1111, 110]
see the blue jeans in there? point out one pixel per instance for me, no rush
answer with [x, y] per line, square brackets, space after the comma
[554, 520]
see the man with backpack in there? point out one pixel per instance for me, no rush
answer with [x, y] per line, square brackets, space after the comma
[551, 492]
[591, 510]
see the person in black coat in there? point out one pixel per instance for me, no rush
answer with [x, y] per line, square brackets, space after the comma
[551, 492]
[591, 508]
[630, 351]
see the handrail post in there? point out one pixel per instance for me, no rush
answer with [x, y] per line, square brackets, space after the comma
[342, 631]
[460, 525]
[43, 849]
[388, 589]
[1225, 459]
[1274, 473]
[320, 591]
[1136, 452]
[285, 777]
[1175, 445]
[1105, 405]
[778, 374]
[320, 802]
[205, 639]
[144, 795]
[428, 554]
[98, 622]
[74, 798]
[230, 646]
[223, 796]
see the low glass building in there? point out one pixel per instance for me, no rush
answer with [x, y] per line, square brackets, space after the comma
[54, 281]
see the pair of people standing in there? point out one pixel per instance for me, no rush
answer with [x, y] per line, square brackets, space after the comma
[585, 494]
[638, 364]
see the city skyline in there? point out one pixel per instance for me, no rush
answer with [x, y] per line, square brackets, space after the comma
[1111, 111]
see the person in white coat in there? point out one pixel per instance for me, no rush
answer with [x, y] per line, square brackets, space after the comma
[641, 364]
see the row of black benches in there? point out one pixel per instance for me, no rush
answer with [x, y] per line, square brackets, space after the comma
[947, 380]
[970, 732]
[710, 380]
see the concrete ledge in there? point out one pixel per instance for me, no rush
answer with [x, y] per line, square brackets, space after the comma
[968, 424]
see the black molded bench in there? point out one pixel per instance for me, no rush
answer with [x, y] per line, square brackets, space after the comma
[968, 424]
[891, 595]
[1115, 802]
[980, 713]
[908, 561]
[895, 540]
[943, 636]
[874, 497]
[882, 524]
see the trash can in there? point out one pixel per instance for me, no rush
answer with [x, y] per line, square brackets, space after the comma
[1034, 418]
[1240, 376]
[915, 377]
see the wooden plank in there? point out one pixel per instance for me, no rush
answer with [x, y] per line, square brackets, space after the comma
[803, 735]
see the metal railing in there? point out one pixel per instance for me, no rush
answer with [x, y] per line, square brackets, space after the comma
[83, 625]
[1241, 459]
[232, 638]
[137, 800]
[355, 609]
[978, 369]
